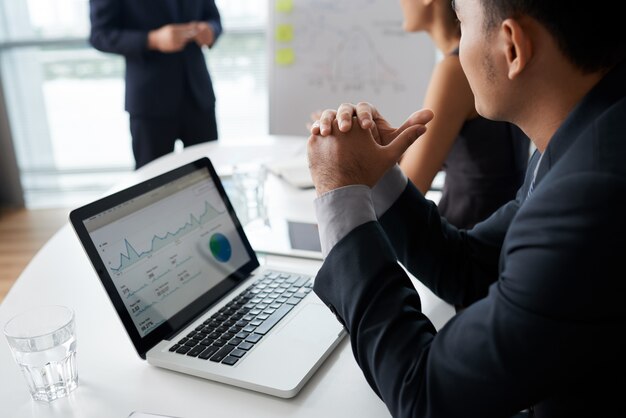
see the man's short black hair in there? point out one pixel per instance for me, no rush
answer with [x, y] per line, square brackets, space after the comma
[591, 35]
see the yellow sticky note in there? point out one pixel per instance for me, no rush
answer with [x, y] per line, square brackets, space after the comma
[284, 6]
[284, 33]
[285, 56]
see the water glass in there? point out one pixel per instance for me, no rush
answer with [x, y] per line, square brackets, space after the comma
[249, 192]
[43, 342]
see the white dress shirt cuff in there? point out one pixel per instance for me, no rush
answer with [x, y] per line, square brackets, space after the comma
[341, 210]
[388, 189]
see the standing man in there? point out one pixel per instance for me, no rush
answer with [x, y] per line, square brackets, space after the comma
[542, 278]
[169, 94]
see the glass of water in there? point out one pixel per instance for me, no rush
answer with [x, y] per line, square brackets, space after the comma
[43, 342]
[249, 193]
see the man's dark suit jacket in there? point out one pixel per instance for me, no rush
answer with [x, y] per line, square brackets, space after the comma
[544, 278]
[155, 80]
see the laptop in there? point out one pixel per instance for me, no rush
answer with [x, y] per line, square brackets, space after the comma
[188, 287]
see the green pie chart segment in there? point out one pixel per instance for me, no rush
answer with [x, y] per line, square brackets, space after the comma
[220, 247]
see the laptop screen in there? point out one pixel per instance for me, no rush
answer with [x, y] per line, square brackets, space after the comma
[164, 244]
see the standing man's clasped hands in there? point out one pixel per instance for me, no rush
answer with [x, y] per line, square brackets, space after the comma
[356, 145]
[204, 34]
[175, 36]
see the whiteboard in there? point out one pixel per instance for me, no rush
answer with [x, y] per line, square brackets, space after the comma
[327, 52]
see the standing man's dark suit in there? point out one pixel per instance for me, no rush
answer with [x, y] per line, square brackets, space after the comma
[544, 278]
[169, 96]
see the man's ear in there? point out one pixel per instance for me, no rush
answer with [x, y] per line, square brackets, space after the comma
[517, 46]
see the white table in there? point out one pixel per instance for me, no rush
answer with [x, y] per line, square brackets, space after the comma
[114, 381]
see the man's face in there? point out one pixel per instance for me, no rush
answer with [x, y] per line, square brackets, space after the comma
[476, 53]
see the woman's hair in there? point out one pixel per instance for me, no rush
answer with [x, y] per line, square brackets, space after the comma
[451, 16]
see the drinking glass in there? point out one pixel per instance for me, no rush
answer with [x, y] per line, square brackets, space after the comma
[248, 196]
[43, 342]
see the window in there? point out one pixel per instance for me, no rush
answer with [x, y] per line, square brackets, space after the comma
[66, 100]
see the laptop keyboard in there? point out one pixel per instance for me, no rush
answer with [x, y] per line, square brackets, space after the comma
[233, 331]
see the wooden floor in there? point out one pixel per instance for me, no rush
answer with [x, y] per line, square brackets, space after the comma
[22, 233]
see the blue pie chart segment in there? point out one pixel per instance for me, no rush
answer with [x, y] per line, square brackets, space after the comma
[220, 247]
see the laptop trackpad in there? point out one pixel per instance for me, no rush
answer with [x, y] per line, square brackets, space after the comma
[312, 323]
[296, 347]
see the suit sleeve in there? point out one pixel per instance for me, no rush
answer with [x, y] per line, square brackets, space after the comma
[529, 337]
[424, 243]
[211, 15]
[108, 34]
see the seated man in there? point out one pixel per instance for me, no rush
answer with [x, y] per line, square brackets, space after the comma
[541, 278]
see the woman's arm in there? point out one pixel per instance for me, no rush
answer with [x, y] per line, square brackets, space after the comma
[451, 100]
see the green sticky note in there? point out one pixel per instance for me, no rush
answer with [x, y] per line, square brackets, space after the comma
[284, 6]
[285, 56]
[284, 33]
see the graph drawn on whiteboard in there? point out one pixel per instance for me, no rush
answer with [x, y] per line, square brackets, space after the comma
[324, 53]
[354, 65]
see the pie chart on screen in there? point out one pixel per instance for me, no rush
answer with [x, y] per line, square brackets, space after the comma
[220, 247]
